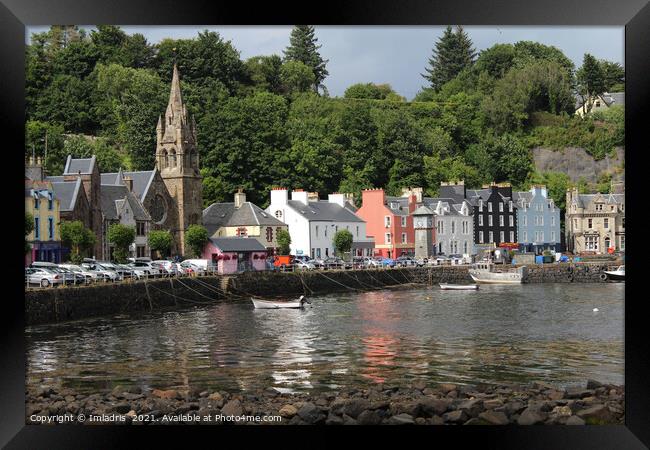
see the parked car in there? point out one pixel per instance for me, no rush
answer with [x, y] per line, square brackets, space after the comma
[304, 258]
[125, 271]
[191, 269]
[145, 269]
[405, 261]
[107, 265]
[385, 262]
[71, 277]
[202, 266]
[334, 263]
[169, 266]
[319, 263]
[370, 262]
[300, 264]
[358, 262]
[43, 277]
[67, 276]
[89, 276]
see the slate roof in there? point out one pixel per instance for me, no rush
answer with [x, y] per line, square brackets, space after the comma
[237, 244]
[111, 198]
[454, 207]
[74, 166]
[141, 180]
[402, 208]
[66, 192]
[323, 210]
[456, 192]
[585, 199]
[219, 215]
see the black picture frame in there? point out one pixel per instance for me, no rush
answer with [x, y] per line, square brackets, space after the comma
[633, 14]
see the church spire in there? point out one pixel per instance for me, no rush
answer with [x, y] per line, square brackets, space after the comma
[176, 113]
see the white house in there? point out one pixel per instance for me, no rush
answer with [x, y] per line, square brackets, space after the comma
[312, 222]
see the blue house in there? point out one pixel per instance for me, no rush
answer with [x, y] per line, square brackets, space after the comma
[538, 221]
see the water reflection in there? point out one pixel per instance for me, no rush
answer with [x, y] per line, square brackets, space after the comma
[500, 333]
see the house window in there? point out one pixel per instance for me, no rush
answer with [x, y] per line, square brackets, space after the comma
[525, 221]
[500, 207]
[589, 223]
[50, 228]
[489, 207]
[318, 253]
[541, 236]
[325, 230]
[139, 226]
[510, 206]
[491, 236]
[552, 221]
[50, 201]
[37, 228]
[480, 221]
[316, 231]
[623, 242]
[465, 247]
[501, 236]
[512, 236]
[599, 207]
[139, 249]
[327, 251]
[489, 220]
[269, 234]
[480, 237]
[553, 237]
[525, 236]
[37, 201]
[605, 222]
[591, 243]
[357, 230]
[541, 220]
[511, 220]
[403, 238]
[480, 205]
[387, 237]
[453, 226]
[278, 214]
[387, 221]
[623, 223]
[500, 218]
[403, 221]
[440, 227]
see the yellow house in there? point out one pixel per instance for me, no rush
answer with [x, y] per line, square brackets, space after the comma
[43, 206]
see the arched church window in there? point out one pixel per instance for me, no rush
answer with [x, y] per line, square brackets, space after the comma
[173, 158]
[165, 159]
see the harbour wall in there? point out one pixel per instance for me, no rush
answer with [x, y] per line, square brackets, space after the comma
[73, 303]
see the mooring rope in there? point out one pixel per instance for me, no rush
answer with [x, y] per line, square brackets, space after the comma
[347, 287]
[181, 298]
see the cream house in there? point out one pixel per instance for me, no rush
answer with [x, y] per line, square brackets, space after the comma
[243, 219]
[594, 223]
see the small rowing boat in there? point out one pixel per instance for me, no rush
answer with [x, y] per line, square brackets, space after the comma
[458, 287]
[270, 304]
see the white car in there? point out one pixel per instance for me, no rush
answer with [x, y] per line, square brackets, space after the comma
[42, 277]
[144, 269]
[103, 273]
[90, 275]
[303, 265]
[169, 266]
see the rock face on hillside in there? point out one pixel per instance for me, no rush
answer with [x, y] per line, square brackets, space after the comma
[577, 163]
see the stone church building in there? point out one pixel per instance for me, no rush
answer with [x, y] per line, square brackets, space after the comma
[171, 193]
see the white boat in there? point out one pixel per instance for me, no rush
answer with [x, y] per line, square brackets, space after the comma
[616, 275]
[488, 272]
[458, 287]
[271, 304]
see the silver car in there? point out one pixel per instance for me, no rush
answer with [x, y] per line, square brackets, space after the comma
[42, 277]
[144, 269]
[303, 265]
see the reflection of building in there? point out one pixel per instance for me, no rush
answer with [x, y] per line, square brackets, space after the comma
[243, 219]
[594, 222]
[45, 238]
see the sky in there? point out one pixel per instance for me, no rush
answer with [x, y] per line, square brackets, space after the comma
[396, 55]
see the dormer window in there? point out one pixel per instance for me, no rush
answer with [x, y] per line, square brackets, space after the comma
[278, 214]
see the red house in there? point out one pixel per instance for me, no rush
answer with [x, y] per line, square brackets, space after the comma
[389, 220]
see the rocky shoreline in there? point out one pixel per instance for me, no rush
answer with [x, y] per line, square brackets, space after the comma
[418, 404]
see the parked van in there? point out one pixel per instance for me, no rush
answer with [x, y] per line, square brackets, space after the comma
[281, 261]
[203, 265]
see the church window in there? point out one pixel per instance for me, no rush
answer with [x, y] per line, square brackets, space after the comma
[173, 158]
[165, 161]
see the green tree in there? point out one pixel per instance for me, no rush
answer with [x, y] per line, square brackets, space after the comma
[37, 134]
[296, 76]
[590, 82]
[502, 158]
[264, 73]
[437, 170]
[284, 242]
[614, 76]
[342, 241]
[121, 236]
[108, 158]
[29, 227]
[78, 238]
[372, 91]
[160, 241]
[452, 53]
[302, 47]
[196, 237]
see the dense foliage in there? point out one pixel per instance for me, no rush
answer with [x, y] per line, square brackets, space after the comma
[121, 236]
[196, 237]
[284, 242]
[78, 238]
[160, 241]
[342, 241]
[265, 122]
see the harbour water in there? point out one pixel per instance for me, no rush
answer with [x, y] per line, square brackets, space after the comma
[498, 334]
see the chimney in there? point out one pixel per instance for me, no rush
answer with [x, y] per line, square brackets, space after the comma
[240, 198]
[279, 196]
[337, 198]
[312, 196]
[349, 197]
[128, 181]
[300, 196]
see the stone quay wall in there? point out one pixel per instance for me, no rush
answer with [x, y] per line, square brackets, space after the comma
[73, 303]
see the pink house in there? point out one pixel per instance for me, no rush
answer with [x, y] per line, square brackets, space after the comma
[235, 254]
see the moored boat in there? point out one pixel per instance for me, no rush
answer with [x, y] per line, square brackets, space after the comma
[272, 304]
[458, 287]
[488, 272]
[616, 275]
